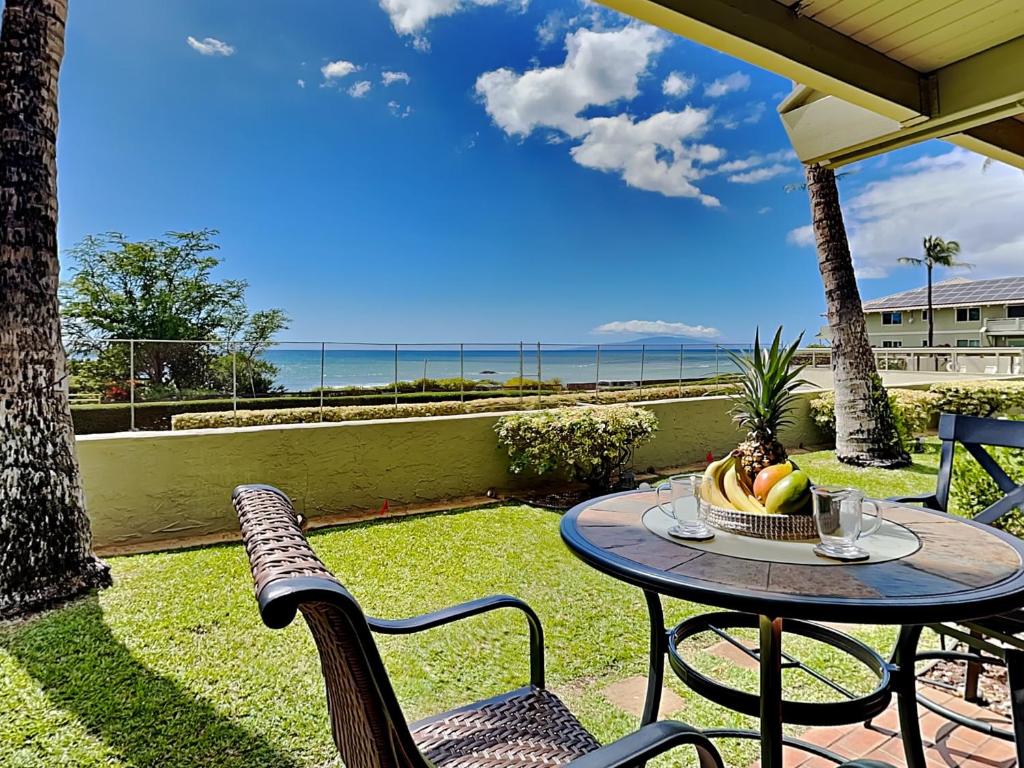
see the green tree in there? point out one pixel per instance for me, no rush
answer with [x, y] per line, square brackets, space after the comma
[937, 253]
[252, 336]
[164, 290]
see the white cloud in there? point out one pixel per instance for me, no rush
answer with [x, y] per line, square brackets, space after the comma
[602, 68]
[757, 110]
[659, 327]
[411, 17]
[397, 110]
[301, 83]
[802, 236]
[337, 70]
[678, 84]
[651, 154]
[752, 161]
[737, 81]
[763, 211]
[359, 89]
[387, 77]
[551, 27]
[758, 175]
[947, 195]
[210, 46]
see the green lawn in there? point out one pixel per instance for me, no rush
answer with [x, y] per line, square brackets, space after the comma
[172, 667]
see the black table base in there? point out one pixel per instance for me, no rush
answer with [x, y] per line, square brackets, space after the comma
[769, 705]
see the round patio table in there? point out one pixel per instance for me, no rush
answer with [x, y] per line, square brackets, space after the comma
[929, 568]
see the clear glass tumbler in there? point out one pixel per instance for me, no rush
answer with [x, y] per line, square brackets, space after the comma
[681, 487]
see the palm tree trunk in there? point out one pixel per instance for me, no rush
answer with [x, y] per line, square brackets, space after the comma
[865, 429]
[931, 318]
[45, 552]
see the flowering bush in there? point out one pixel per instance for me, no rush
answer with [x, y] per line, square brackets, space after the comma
[913, 410]
[593, 444]
[980, 398]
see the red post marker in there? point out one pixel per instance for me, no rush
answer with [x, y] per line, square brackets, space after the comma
[384, 510]
[710, 457]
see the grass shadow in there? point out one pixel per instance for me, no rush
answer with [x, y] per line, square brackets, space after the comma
[148, 719]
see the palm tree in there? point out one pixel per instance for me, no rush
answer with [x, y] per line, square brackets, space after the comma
[937, 253]
[865, 429]
[45, 542]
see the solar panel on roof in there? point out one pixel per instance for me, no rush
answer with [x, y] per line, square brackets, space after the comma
[968, 292]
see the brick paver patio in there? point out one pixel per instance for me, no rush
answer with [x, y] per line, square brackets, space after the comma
[947, 745]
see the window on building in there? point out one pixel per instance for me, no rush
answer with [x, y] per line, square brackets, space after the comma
[892, 318]
[890, 344]
[968, 343]
[968, 314]
[924, 314]
[1015, 311]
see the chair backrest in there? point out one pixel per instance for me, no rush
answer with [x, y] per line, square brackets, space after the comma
[973, 433]
[367, 723]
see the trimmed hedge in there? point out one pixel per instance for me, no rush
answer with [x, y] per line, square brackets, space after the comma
[96, 418]
[253, 418]
[913, 409]
[980, 398]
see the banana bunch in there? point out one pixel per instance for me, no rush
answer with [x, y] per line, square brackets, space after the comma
[724, 487]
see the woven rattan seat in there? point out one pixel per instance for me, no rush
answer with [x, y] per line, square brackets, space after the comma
[525, 728]
[532, 729]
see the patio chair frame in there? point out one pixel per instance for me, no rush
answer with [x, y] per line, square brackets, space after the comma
[367, 723]
[974, 433]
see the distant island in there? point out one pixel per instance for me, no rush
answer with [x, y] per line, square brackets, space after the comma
[664, 340]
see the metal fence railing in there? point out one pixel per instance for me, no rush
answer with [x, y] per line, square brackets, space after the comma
[151, 372]
[149, 376]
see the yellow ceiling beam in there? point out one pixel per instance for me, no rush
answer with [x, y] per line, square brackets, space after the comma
[985, 81]
[767, 34]
[856, 102]
[1001, 140]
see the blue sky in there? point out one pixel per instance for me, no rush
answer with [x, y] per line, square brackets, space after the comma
[499, 188]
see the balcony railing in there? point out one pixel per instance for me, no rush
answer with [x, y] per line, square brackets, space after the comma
[1003, 326]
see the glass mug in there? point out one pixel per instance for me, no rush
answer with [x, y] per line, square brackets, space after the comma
[839, 517]
[680, 487]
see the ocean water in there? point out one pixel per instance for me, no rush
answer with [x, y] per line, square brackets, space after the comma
[299, 370]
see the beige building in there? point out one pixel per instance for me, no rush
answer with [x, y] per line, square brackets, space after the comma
[968, 313]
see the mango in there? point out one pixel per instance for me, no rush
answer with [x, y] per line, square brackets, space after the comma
[768, 477]
[789, 495]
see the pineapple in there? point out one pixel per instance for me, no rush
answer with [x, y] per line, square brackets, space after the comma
[763, 404]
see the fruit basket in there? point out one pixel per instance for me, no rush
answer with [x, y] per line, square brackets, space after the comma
[755, 490]
[762, 526]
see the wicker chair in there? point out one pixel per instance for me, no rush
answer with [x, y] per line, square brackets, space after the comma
[525, 728]
[1007, 630]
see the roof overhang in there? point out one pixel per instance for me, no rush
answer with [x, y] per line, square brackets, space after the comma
[853, 101]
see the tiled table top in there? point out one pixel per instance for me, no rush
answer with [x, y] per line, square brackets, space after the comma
[960, 571]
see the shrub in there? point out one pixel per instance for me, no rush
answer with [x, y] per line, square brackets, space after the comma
[913, 410]
[532, 384]
[973, 489]
[593, 444]
[980, 398]
[311, 414]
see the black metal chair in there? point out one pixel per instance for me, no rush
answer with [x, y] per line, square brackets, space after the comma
[997, 640]
[526, 728]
